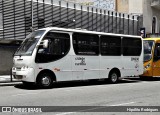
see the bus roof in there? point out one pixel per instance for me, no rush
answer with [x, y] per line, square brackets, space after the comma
[86, 31]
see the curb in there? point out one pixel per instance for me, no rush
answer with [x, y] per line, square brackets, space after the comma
[5, 80]
[10, 83]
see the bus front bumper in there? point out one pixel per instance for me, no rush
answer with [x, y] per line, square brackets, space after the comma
[26, 74]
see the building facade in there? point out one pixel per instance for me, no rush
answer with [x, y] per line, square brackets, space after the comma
[18, 16]
[151, 16]
[149, 9]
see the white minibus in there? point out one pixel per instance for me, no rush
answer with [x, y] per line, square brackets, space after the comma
[55, 54]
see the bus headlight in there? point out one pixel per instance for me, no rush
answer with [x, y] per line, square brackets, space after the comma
[147, 66]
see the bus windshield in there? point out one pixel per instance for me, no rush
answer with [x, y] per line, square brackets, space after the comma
[148, 45]
[29, 43]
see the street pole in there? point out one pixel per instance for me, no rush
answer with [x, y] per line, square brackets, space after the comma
[32, 15]
[11, 74]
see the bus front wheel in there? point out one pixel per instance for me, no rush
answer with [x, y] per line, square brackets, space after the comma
[45, 80]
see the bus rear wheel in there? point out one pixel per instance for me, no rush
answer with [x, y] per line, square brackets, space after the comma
[113, 77]
[45, 80]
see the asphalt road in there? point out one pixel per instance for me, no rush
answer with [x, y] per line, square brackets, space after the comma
[88, 96]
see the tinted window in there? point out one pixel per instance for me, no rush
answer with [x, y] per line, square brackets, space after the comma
[110, 45]
[86, 44]
[59, 45]
[157, 51]
[132, 46]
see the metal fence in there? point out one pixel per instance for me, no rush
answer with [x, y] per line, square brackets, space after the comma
[18, 16]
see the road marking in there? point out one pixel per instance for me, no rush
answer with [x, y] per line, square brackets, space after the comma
[67, 113]
[123, 104]
[23, 94]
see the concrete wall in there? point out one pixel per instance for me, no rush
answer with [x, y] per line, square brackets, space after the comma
[136, 6]
[122, 6]
[147, 16]
[130, 6]
[6, 57]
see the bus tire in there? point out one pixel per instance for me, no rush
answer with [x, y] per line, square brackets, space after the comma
[113, 77]
[45, 80]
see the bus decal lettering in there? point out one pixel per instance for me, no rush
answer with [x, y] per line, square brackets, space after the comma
[135, 59]
[81, 61]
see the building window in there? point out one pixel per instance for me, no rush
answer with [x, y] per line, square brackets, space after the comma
[154, 25]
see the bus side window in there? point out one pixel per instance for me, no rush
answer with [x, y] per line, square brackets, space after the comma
[131, 46]
[86, 44]
[157, 52]
[58, 47]
[110, 45]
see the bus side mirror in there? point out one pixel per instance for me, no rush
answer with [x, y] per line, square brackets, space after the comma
[45, 43]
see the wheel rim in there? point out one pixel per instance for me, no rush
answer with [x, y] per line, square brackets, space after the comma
[114, 77]
[46, 81]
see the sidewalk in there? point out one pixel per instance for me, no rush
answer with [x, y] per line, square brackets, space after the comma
[6, 80]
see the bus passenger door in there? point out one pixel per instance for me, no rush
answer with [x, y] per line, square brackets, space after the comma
[156, 63]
